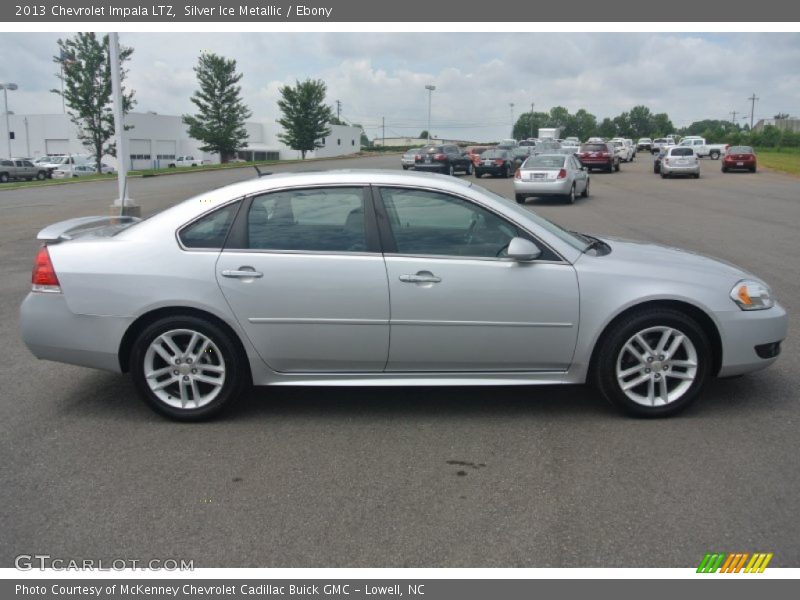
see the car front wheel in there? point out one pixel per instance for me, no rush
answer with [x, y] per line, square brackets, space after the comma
[654, 363]
[187, 368]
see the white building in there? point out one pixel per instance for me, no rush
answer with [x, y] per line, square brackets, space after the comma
[155, 139]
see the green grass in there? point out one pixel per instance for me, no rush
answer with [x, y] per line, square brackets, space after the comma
[785, 160]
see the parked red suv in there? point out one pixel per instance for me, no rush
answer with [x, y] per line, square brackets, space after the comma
[739, 157]
[598, 155]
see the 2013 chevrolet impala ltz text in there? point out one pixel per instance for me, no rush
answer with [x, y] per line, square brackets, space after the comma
[389, 279]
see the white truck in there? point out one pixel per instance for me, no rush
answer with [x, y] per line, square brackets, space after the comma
[701, 148]
[184, 161]
[549, 133]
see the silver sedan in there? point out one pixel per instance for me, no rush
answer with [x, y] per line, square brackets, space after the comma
[303, 279]
[551, 175]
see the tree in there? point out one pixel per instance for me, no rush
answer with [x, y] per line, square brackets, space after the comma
[305, 115]
[528, 124]
[662, 125]
[641, 121]
[607, 128]
[424, 134]
[219, 122]
[559, 117]
[781, 116]
[582, 125]
[86, 74]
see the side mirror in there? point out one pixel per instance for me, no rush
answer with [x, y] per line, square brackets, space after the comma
[523, 250]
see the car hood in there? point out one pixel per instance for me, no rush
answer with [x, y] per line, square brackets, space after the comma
[674, 263]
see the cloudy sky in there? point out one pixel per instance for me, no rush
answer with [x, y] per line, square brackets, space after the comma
[690, 76]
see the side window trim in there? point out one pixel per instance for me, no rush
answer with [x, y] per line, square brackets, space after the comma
[238, 237]
[390, 244]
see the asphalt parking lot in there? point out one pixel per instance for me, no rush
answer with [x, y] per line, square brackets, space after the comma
[445, 477]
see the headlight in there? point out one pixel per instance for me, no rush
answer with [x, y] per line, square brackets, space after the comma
[752, 295]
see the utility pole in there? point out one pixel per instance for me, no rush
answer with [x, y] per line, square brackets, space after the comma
[430, 89]
[531, 119]
[733, 114]
[383, 128]
[752, 108]
[338, 110]
[511, 106]
[27, 138]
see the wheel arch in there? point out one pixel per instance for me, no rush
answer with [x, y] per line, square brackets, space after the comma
[699, 315]
[144, 320]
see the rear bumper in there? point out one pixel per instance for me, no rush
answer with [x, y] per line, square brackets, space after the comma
[52, 332]
[559, 187]
[686, 170]
[437, 167]
[746, 334]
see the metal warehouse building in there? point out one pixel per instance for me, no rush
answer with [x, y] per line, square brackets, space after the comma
[155, 139]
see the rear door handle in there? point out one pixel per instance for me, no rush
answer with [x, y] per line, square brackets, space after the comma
[243, 273]
[420, 278]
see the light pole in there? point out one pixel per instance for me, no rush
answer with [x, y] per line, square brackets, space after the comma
[531, 119]
[511, 106]
[430, 89]
[5, 87]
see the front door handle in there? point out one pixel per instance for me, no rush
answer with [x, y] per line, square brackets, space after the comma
[242, 273]
[421, 277]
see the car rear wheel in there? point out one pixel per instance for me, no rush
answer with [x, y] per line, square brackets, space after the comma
[714, 154]
[585, 193]
[520, 198]
[752, 169]
[724, 169]
[654, 363]
[663, 175]
[570, 198]
[478, 174]
[405, 168]
[187, 368]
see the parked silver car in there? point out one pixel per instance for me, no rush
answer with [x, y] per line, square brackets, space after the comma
[302, 279]
[407, 160]
[679, 160]
[551, 175]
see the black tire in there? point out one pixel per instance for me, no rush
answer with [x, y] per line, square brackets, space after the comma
[724, 169]
[41, 175]
[616, 166]
[655, 169]
[585, 192]
[405, 168]
[478, 174]
[451, 170]
[3, 177]
[752, 169]
[611, 167]
[237, 373]
[663, 175]
[714, 155]
[611, 350]
[570, 198]
[697, 175]
[519, 198]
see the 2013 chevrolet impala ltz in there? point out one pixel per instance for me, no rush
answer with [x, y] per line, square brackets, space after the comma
[391, 279]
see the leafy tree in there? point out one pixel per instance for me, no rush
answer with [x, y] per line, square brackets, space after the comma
[528, 124]
[622, 123]
[582, 125]
[641, 121]
[607, 128]
[781, 116]
[86, 74]
[661, 125]
[305, 116]
[424, 134]
[559, 117]
[222, 113]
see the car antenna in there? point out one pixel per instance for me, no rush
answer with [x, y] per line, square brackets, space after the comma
[260, 173]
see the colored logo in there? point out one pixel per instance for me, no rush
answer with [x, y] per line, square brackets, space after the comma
[734, 563]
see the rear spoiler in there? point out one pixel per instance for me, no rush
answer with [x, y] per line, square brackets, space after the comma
[72, 228]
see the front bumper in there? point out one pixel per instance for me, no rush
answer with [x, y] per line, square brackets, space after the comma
[742, 331]
[52, 332]
[556, 187]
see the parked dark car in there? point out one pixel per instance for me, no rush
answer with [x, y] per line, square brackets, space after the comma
[521, 153]
[497, 162]
[657, 161]
[446, 158]
[598, 155]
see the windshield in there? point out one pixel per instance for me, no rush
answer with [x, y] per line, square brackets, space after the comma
[740, 150]
[594, 148]
[430, 149]
[545, 161]
[494, 154]
[558, 231]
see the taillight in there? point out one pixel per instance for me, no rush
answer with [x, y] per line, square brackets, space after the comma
[439, 157]
[43, 278]
[562, 174]
[517, 174]
[417, 157]
[499, 162]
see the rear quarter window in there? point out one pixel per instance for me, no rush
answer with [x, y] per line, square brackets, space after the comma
[209, 231]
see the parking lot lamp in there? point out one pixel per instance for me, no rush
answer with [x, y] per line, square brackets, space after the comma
[511, 106]
[531, 119]
[430, 89]
[5, 87]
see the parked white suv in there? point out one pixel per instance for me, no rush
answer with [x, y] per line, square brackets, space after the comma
[680, 160]
[622, 148]
[185, 161]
